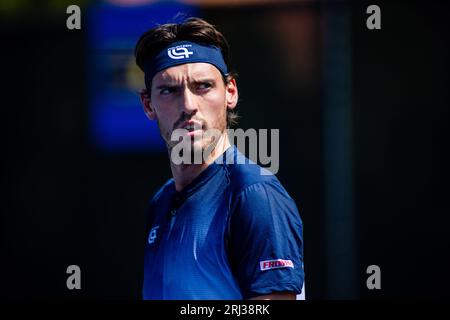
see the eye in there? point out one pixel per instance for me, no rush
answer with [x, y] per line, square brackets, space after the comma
[204, 85]
[166, 91]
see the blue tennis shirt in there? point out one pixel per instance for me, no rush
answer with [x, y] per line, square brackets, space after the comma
[231, 234]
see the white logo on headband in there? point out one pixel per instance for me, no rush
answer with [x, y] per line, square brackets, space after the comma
[179, 52]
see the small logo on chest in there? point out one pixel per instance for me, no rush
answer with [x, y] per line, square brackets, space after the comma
[153, 234]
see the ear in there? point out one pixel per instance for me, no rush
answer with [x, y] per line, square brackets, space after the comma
[231, 94]
[145, 100]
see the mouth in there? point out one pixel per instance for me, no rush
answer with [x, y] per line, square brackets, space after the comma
[192, 127]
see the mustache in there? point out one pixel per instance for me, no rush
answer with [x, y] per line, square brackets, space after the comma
[184, 117]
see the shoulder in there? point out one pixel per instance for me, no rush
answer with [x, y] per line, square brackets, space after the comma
[166, 188]
[244, 173]
[255, 190]
[158, 201]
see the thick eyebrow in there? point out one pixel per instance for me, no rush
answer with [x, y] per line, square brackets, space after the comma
[203, 80]
[196, 81]
[166, 85]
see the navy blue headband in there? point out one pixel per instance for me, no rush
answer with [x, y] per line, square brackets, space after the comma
[182, 52]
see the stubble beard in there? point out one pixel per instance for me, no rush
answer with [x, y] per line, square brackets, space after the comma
[198, 145]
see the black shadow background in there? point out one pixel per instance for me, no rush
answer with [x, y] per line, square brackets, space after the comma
[67, 203]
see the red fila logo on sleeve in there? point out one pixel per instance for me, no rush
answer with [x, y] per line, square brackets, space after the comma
[275, 264]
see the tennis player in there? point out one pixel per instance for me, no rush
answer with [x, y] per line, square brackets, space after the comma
[218, 229]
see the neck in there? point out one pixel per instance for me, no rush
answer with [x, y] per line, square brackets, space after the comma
[185, 173]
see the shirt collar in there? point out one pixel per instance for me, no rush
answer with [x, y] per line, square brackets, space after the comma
[206, 174]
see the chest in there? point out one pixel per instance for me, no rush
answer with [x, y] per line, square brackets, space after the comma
[197, 227]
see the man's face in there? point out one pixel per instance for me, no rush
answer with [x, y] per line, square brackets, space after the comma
[191, 96]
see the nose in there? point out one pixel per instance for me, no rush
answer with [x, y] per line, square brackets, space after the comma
[188, 102]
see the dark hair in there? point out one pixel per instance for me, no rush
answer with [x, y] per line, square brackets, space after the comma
[192, 29]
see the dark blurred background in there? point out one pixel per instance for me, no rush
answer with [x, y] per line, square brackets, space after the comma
[363, 119]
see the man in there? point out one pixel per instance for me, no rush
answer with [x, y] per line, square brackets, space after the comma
[219, 229]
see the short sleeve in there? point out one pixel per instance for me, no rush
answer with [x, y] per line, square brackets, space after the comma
[266, 240]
